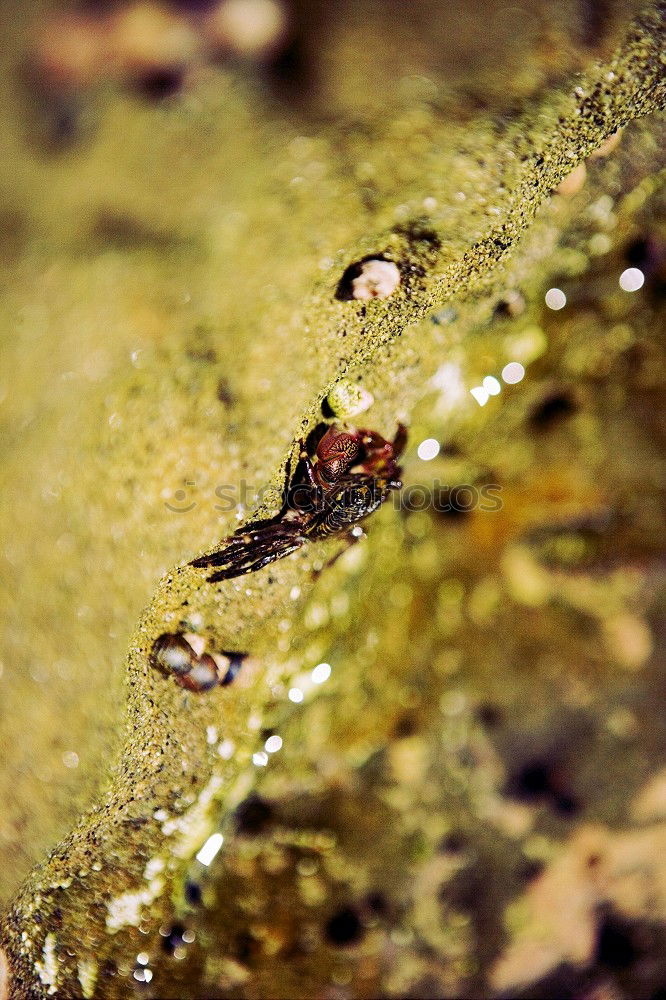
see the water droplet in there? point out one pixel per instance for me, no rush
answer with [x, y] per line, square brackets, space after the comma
[632, 279]
[513, 373]
[321, 673]
[555, 298]
[428, 449]
[210, 848]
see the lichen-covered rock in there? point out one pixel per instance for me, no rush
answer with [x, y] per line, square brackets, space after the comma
[483, 654]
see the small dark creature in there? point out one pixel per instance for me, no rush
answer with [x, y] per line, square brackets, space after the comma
[350, 477]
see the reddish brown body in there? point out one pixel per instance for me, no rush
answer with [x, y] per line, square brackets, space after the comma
[338, 450]
[335, 453]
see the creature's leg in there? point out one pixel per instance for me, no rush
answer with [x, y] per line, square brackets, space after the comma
[252, 550]
[309, 467]
[399, 441]
[351, 537]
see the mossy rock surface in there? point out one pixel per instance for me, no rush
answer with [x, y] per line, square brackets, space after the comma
[173, 325]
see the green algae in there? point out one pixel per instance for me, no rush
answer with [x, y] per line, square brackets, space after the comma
[451, 253]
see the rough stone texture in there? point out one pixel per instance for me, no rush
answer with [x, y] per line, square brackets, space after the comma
[483, 659]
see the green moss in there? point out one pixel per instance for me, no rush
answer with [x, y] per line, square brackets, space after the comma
[112, 881]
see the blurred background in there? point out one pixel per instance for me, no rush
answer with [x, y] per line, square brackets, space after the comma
[469, 797]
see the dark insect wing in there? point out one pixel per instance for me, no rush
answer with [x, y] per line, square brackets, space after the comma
[249, 551]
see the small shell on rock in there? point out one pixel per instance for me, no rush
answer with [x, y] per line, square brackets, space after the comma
[173, 653]
[197, 642]
[347, 399]
[194, 669]
[202, 677]
[377, 279]
[229, 665]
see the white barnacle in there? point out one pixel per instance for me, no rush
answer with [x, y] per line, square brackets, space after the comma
[125, 910]
[47, 969]
[377, 279]
[87, 974]
[193, 826]
[347, 399]
[153, 867]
